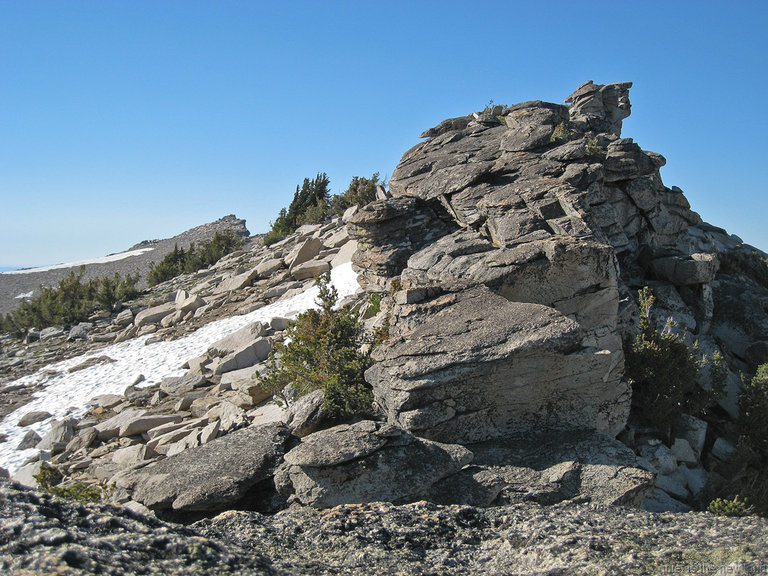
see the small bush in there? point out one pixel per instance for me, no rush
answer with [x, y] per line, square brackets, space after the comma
[725, 507]
[48, 479]
[180, 261]
[309, 205]
[561, 134]
[752, 456]
[323, 352]
[662, 371]
[360, 191]
[73, 301]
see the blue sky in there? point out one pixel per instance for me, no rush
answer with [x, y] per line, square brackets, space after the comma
[129, 120]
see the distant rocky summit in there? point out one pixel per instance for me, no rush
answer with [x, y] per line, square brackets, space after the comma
[500, 274]
[15, 284]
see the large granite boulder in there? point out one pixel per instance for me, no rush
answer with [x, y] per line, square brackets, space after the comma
[212, 476]
[485, 367]
[366, 462]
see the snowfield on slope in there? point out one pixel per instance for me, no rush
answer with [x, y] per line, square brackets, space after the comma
[66, 394]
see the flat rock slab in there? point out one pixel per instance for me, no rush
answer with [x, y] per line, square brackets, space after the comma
[366, 462]
[212, 476]
[547, 468]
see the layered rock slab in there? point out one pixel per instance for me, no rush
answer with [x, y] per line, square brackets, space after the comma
[366, 462]
[485, 368]
[212, 476]
[548, 467]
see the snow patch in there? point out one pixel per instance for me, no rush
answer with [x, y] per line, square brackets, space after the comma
[102, 260]
[26, 295]
[66, 394]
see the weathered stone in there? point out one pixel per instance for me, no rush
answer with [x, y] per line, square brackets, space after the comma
[230, 416]
[124, 318]
[600, 107]
[660, 501]
[683, 452]
[698, 269]
[80, 331]
[250, 354]
[486, 367]
[83, 439]
[304, 252]
[366, 462]
[280, 323]
[107, 401]
[186, 302]
[33, 417]
[310, 269]
[247, 381]
[723, 450]
[26, 474]
[51, 332]
[237, 282]
[182, 384]
[237, 340]
[56, 439]
[306, 414]
[130, 456]
[211, 476]
[269, 267]
[548, 468]
[144, 422]
[30, 440]
[154, 314]
[530, 128]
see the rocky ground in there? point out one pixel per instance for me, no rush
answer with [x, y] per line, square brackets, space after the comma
[42, 534]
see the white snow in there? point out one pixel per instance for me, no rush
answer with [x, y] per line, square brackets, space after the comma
[102, 260]
[68, 394]
[26, 295]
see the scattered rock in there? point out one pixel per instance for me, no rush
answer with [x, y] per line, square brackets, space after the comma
[211, 476]
[33, 417]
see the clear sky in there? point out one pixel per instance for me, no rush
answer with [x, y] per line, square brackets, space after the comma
[122, 121]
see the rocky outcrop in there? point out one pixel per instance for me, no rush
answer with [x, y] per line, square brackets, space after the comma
[539, 204]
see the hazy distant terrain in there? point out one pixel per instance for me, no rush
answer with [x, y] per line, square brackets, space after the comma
[16, 283]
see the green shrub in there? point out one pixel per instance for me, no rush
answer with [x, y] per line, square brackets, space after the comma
[561, 134]
[48, 479]
[751, 459]
[360, 191]
[309, 205]
[662, 371]
[725, 507]
[180, 261]
[323, 352]
[374, 299]
[110, 291]
[73, 301]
